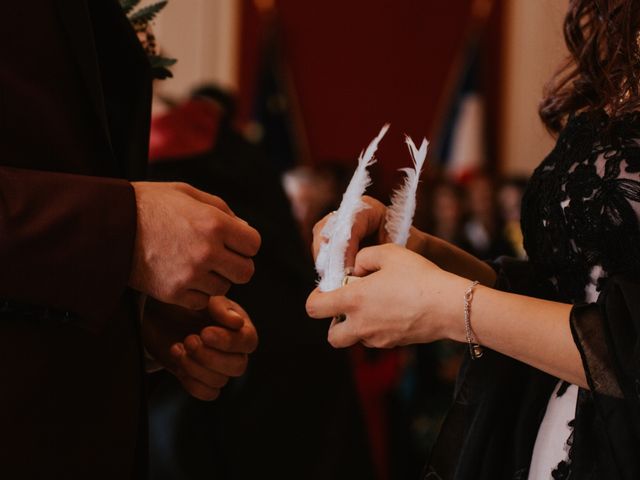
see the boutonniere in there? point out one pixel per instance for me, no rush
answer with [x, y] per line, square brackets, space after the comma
[141, 20]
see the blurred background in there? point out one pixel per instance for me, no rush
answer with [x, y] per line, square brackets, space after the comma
[270, 103]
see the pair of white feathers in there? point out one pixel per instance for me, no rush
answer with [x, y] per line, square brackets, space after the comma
[330, 262]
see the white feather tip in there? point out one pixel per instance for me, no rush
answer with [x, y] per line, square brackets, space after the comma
[403, 201]
[337, 231]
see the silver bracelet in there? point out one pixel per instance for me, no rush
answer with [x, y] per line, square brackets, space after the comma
[475, 350]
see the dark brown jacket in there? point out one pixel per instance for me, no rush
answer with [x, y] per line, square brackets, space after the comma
[74, 114]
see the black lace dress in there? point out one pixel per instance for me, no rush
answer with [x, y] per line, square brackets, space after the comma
[580, 221]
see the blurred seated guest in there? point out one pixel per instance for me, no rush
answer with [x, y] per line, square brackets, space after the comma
[446, 212]
[430, 376]
[510, 200]
[295, 413]
[313, 192]
[483, 229]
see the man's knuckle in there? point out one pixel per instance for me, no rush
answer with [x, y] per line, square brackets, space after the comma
[257, 243]
[224, 343]
[212, 227]
[253, 343]
[246, 271]
[221, 381]
[222, 287]
[238, 368]
[182, 187]
[197, 302]
[199, 256]
[174, 293]
[189, 277]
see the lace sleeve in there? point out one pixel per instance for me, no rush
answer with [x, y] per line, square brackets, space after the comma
[607, 336]
[602, 208]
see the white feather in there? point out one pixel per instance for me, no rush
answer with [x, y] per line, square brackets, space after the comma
[403, 201]
[337, 230]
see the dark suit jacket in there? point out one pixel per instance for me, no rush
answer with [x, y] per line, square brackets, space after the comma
[74, 114]
[295, 413]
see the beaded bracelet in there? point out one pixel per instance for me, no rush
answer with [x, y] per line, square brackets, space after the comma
[475, 350]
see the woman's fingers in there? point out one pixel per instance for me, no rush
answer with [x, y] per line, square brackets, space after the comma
[368, 222]
[318, 239]
[342, 334]
[372, 259]
[330, 304]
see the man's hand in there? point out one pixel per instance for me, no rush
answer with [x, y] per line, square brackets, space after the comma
[189, 245]
[205, 360]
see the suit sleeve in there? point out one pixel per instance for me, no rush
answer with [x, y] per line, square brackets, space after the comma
[66, 242]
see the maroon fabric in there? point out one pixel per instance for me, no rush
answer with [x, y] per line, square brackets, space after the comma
[353, 66]
[187, 130]
[70, 356]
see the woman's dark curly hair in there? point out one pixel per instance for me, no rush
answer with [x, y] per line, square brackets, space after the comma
[603, 68]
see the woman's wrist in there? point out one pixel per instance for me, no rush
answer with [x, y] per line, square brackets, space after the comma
[449, 317]
[455, 324]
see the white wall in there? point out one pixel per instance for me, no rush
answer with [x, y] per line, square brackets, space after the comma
[534, 49]
[204, 36]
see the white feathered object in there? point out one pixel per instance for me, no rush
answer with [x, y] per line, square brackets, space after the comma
[337, 231]
[403, 201]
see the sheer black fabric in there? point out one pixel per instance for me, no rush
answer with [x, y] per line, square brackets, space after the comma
[580, 221]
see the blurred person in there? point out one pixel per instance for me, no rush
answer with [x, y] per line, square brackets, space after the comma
[430, 376]
[313, 192]
[295, 413]
[447, 214]
[483, 229]
[550, 385]
[510, 201]
[84, 241]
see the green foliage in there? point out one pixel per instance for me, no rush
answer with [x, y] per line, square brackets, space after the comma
[129, 5]
[159, 61]
[147, 14]
[140, 18]
[160, 66]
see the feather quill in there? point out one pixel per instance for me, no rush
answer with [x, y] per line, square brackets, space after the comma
[403, 201]
[337, 231]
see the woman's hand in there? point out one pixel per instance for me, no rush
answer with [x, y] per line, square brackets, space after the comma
[401, 299]
[370, 223]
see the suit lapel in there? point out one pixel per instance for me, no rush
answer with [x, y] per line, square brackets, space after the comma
[74, 16]
[139, 93]
[76, 19]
